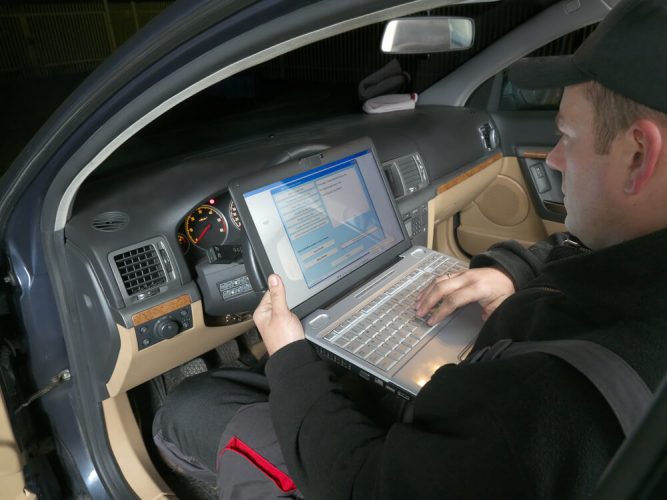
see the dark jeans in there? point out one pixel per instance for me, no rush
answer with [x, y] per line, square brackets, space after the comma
[188, 426]
[187, 429]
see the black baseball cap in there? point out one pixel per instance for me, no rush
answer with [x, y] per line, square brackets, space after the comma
[627, 53]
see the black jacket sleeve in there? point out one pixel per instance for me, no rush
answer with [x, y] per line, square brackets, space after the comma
[317, 424]
[333, 451]
[519, 263]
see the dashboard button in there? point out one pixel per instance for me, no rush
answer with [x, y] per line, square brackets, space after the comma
[166, 328]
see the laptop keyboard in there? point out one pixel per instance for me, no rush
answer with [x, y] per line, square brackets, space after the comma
[386, 329]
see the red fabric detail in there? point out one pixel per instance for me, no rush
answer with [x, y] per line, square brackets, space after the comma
[279, 478]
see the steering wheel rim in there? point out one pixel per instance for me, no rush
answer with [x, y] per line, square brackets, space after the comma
[251, 267]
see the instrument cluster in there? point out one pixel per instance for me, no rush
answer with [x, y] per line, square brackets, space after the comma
[215, 221]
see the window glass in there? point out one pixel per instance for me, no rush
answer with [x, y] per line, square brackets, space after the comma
[308, 84]
[513, 98]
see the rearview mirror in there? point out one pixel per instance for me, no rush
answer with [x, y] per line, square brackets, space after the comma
[423, 35]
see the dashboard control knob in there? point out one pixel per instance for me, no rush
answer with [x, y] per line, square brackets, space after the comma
[166, 328]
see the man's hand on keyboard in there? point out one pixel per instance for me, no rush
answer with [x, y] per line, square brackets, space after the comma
[276, 323]
[445, 294]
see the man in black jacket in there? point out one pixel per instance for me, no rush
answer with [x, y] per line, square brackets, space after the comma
[528, 426]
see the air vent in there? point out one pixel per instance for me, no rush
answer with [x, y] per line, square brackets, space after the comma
[110, 222]
[489, 136]
[140, 269]
[406, 174]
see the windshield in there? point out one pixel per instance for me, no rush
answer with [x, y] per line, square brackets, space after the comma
[66, 41]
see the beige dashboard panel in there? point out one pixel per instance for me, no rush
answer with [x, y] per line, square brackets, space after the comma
[130, 452]
[134, 366]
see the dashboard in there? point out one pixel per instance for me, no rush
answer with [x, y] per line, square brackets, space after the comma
[160, 252]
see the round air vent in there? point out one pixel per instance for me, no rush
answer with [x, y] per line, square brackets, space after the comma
[110, 221]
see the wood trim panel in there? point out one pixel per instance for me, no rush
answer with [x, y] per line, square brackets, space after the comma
[538, 155]
[161, 310]
[469, 173]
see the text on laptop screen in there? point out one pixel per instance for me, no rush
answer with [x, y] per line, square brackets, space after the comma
[322, 224]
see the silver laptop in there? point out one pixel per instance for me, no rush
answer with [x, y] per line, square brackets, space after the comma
[329, 226]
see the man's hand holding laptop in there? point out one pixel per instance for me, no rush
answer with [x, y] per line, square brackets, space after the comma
[487, 286]
[276, 323]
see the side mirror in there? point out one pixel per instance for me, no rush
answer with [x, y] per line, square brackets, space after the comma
[423, 35]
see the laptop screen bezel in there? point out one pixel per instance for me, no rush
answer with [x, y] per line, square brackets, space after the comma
[255, 181]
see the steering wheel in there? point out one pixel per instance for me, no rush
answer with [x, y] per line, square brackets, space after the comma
[250, 262]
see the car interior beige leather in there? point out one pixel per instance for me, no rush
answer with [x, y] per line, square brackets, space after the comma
[493, 204]
[130, 451]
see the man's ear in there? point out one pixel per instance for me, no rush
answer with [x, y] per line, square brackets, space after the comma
[646, 140]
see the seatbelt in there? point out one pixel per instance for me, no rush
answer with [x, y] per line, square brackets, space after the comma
[620, 385]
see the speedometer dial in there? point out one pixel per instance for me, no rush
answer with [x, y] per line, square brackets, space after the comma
[184, 243]
[206, 226]
[234, 215]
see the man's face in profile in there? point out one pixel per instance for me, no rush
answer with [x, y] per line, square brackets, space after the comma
[590, 180]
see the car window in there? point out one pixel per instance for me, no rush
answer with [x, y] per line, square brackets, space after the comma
[511, 98]
[48, 49]
[54, 46]
[317, 81]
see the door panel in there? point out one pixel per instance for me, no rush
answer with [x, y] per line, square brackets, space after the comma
[544, 183]
[520, 197]
[504, 210]
[454, 196]
[529, 136]
[490, 206]
[12, 483]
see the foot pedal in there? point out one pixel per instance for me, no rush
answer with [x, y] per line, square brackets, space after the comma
[175, 376]
[194, 367]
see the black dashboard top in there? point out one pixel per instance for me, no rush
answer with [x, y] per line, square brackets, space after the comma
[184, 204]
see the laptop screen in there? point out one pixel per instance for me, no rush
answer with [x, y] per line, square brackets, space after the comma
[322, 224]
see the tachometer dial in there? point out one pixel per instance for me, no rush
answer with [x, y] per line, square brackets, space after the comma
[234, 215]
[206, 226]
[184, 243]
